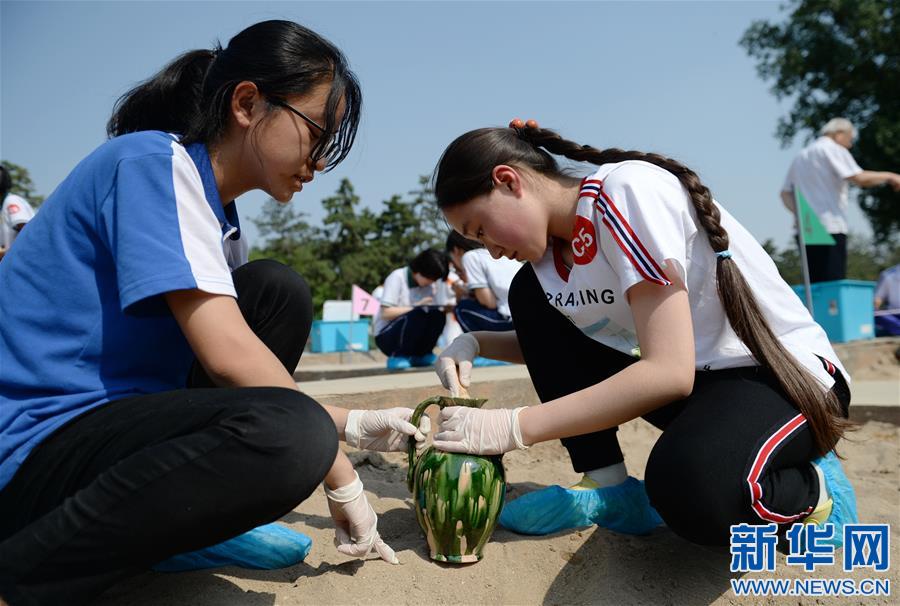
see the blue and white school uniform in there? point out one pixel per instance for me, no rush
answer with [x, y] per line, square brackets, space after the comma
[139, 217]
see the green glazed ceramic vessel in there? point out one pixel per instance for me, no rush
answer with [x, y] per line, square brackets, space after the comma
[458, 497]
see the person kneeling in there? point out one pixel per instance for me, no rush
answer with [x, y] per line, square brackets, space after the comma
[411, 317]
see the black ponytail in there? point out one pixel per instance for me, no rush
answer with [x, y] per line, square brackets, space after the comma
[192, 95]
[168, 101]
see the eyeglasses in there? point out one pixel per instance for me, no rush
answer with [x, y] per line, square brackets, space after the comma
[325, 146]
[308, 120]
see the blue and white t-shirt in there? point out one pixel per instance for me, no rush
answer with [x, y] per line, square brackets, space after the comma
[83, 319]
[635, 222]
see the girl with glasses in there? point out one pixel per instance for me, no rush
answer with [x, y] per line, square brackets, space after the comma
[147, 405]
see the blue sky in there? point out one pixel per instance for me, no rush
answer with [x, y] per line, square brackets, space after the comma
[656, 76]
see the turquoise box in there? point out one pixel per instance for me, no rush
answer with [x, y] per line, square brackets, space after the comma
[844, 308]
[329, 336]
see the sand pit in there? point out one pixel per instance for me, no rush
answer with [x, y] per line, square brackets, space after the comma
[589, 566]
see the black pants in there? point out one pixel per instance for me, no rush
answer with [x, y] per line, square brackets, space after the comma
[827, 262]
[734, 451]
[472, 316]
[415, 333]
[135, 481]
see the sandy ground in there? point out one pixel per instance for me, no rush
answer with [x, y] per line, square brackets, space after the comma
[589, 566]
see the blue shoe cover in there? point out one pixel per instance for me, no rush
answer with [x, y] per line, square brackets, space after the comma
[266, 547]
[424, 360]
[481, 362]
[398, 362]
[623, 508]
[840, 491]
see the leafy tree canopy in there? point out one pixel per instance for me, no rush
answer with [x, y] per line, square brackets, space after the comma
[354, 245]
[22, 184]
[840, 58]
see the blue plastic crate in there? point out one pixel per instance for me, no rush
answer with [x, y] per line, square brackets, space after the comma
[328, 336]
[844, 308]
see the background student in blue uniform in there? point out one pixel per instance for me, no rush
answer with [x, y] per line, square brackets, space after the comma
[642, 296]
[147, 406]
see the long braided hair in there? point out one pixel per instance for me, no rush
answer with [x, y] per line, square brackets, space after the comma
[464, 172]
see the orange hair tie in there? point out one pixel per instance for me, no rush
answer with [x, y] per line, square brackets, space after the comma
[531, 124]
[516, 123]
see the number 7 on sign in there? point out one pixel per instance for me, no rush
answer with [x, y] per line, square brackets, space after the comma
[364, 304]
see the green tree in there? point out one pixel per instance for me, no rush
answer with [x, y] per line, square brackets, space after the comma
[346, 241]
[840, 58]
[865, 259]
[22, 184]
[433, 225]
[353, 245]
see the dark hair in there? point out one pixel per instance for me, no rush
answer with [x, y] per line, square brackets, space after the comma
[192, 95]
[457, 240]
[464, 172]
[431, 263]
[5, 182]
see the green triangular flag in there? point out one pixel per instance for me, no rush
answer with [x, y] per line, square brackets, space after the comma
[813, 231]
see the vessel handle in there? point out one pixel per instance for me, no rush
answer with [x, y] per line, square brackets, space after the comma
[441, 402]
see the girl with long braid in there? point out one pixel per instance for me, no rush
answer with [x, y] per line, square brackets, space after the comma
[642, 297]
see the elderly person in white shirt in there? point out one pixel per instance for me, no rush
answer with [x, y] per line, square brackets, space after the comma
[821, 172]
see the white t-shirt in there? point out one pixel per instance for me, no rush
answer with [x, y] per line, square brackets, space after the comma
[820, 172]
[444, 293]
[15, 211]
[636, 222]
[398, 293]
[484, 271]
[888, 289]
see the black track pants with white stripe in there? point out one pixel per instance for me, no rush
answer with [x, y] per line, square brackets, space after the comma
[736, 450]
[135, 481]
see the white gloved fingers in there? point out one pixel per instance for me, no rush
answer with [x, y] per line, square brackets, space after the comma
[424, 425]
[446, 372]
[453, 444]
[450, 418]
[384, 550]
[405, 427]
[341, 536]
[357, 550]
[465, 373]
[448, 436]
[478, 431]
[424, 430]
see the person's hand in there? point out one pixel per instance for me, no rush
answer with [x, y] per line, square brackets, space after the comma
[477, 431]
[460, 289]
[894, 181]
[385, 430]
[355, 523]
[454, 364]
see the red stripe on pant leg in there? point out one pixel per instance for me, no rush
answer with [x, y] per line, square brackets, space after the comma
[759, 463]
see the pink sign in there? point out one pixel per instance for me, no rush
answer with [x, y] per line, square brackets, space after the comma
[364, 304]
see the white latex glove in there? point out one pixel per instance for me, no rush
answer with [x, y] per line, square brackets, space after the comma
[355, 523]
[385, 430]
[477, 431]
[454, 365]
